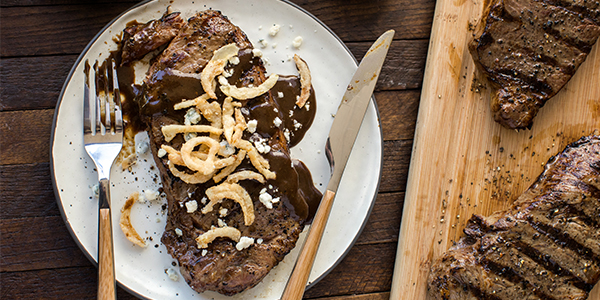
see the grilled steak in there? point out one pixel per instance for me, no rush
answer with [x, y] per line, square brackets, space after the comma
[140, 39]
[529, 49]
[546, 246]
[174, 76]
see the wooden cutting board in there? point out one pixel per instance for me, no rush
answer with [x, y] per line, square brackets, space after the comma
[464, 163]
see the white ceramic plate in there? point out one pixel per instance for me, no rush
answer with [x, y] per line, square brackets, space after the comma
[142, 271]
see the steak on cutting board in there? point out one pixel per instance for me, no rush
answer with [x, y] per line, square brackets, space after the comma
[546, 246]
[221, 267]
[529, 49]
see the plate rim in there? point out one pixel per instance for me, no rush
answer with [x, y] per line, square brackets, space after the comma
[70, 76]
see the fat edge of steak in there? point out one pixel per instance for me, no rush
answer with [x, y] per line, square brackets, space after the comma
[529, 50]
[546, 246]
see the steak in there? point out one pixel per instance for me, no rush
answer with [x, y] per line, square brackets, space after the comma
[141, 39]
[529, 49]
[545, 246]
[174, 76]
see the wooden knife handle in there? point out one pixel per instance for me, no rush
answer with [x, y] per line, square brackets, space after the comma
[106, 267]
[297, 283]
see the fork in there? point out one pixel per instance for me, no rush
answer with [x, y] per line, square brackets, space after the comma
[103, 139]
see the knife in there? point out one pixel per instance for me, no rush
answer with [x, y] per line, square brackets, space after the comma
[340, 141]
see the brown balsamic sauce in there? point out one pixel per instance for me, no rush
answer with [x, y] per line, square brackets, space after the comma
[294, 183]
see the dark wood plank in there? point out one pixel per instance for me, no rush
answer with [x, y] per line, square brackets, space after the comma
[371, 296]
[24, 85]
[48, 30]
[25, 136]
[23, 141]
[396, 158]
[66, 283]
[383, 224]
[27, 191]
[357, 20]
[11, 3]
[366, 269]
[51, 246]
[398, 112]
[404, 65]
[353, 21]
[37, 243]
[33, 82]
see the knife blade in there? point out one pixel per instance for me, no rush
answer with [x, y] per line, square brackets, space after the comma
[342, 135]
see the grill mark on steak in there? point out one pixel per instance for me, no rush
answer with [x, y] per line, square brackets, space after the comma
[529, 50]
[562, 239]
[550, 264]
[542, 280]
[549, 254]
[520, 286]
[545, 246]
[589, 9]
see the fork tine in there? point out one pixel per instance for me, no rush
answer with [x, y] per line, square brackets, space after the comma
[100, 128]
[116, 98]
[107, 103]
[87, 114]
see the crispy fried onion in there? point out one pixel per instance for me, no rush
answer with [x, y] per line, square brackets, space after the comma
[176, 159]
[204, 166]
[215, 67]
[245, 175]
[189, 178]
[170, 131]
[244, 93]
[206, 238]
[304, 80]
[229, 169]
[194, 102]
[125, 221]
[228, 121]
[240, 126]
[232, 191]
[259, 162]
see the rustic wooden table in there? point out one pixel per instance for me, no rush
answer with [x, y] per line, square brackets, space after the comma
[40, 41]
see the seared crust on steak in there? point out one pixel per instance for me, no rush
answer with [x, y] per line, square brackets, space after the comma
[546, 246]
[529, 49]
[141, 39]
[221, 267]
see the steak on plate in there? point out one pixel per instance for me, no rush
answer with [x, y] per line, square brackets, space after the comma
[174, 76]
[529, 49]
[141, 39]
[546, 246]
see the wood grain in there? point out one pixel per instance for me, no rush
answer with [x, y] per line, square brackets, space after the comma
[465, 163]
[25, 136]
[383, 224]
[24, 85]
[37, 243]
[366, 269]
[356, 20]
[23, 27]
[41, 39]
[75, 283]
[106, 257]
[26, 191]
[373, 262]
[404, 64]
[299, 277]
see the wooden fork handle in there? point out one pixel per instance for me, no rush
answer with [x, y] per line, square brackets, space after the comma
[106, 266]
[106, 269]
[297, 282]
